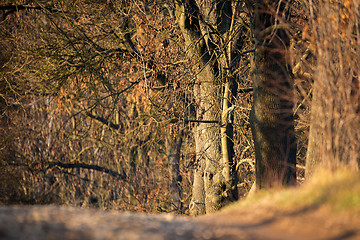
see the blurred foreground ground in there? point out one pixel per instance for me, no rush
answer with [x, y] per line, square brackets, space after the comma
[54, 222]
[326, 209]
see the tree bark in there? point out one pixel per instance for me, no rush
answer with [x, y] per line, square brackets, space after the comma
[197, 204]
[316, 140]
[213, 183]
[173, 145]
[335, 107]
[271, 117]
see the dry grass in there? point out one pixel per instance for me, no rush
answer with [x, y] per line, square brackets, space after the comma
[339, 191]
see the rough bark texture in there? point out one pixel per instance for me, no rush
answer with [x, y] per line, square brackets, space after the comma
[271, 117]
[210, 185]
[335, 113]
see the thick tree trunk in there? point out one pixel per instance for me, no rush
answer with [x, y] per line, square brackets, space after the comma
[334, 129]
[207, 138]
[335, 108]
[197, 205]
[213, 183]
[271, 117]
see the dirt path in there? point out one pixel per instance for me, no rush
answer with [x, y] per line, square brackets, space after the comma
[54, 222]
[261, 222]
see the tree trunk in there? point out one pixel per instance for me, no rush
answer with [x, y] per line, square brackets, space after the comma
[213, 181]
[335, 108]
[271, 117]
[207, 139]
[197, 204]
[316, 140]
[173, 148]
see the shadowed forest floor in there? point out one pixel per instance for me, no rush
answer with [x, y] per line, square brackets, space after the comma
[328, 208]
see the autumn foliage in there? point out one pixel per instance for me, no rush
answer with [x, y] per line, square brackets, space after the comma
[94, 96]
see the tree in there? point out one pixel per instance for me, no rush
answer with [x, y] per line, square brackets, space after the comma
[272, 120]
[112, 90]
[209, 31]
[92, 114]
[334, 135]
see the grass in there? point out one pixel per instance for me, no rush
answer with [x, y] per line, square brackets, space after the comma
[340, 191]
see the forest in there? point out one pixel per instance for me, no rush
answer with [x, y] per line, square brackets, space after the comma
[174, 106]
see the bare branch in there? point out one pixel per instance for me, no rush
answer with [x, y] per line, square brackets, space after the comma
[87, 166]
[104, 121]
[9, 9]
